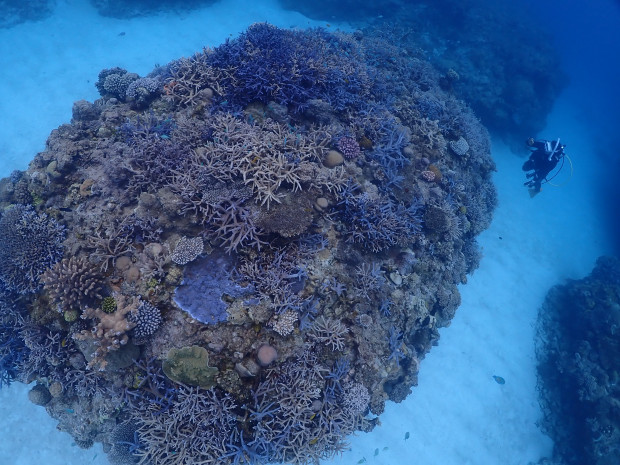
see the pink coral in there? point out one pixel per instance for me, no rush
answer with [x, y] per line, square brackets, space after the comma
[428, 175]
[349, 147]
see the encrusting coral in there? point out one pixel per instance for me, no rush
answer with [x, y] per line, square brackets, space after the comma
[190, 366]
[244, 296]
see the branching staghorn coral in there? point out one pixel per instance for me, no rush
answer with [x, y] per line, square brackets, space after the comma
[189, 76]
[264, 155]
[235, 226]
[31, 243]
[299, 412]
[329, 332]
[272, 278]
[194, 428]
[109, 244]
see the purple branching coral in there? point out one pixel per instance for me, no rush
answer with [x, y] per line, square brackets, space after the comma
[368, 280]
[293, 413]
[329, 332]
[84, 383]
[235, 226]
[193, 79]
[377, 222]
[46, 351]
[265, 156]
[31, 243]
[195, 428]
[109, 243]
[291, 67]
[13, 350]
[152, 390]
[277, 277]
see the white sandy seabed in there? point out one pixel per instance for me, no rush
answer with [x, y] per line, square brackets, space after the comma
[458, 414]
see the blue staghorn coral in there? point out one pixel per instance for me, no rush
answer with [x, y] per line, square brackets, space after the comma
[31, 243]
[377, 222]
[13, 350]
[290, 67]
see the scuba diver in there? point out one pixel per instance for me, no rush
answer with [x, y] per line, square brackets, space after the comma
[544, 157]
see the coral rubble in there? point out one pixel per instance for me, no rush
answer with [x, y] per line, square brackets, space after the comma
[247, 262]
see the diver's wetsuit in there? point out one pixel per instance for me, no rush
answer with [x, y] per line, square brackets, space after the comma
[541, 162]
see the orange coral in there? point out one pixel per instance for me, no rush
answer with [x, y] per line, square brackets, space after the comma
[436, 171]
[110, 333]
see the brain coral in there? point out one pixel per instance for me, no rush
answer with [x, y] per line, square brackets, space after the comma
[331, 267]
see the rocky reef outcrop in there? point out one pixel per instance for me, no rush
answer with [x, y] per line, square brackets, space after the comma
[579, 364]
[250, 249]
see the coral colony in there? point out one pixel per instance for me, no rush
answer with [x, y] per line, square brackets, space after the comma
[578, 352]
[240, 257]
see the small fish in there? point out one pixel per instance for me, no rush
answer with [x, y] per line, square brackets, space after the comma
[376, 452]
[69, 410]
[385, 448]
[499, 379]
[362, 460]
[406, 435]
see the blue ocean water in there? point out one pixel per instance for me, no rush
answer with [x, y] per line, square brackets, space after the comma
[554, 236]
[587, 39]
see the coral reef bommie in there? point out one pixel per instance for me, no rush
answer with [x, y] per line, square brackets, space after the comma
[578, 352]
[236, 298]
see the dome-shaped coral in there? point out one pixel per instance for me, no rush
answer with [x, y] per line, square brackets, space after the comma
[346, 291]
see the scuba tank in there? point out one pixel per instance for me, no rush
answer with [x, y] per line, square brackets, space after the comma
[548, 148]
